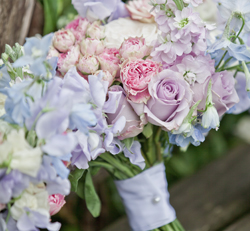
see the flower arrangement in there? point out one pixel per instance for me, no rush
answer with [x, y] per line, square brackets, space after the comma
[117, 88]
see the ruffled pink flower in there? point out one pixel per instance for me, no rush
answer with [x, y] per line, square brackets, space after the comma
[140, 10]
[68, 60]
[224, 93]
[88, 64]
[63, 40]
[91, 46]
[56, 202]
[136, 75]
[106, 76]
[52, 52]
[134, 125]
[95, 31]
[134, 47]
[78, 27]
[109, 61]
[170, 102]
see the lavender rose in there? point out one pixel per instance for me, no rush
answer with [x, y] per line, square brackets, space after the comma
[171, 98]
[134, 124]
[224, 93]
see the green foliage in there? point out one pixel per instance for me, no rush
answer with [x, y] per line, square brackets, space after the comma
[92, 200]
[148, 130]
[74, 178]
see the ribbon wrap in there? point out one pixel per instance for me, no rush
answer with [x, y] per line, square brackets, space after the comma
[146, 199]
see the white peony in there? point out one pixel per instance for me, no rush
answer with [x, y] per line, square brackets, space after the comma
[16, 150]
[123, 28]
[35, 198]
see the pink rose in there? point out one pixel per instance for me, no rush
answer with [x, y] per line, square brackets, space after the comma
[78, 27]
[2, 206]
[63, 40]
[91, 46]
[52, 53]
[56, 202]
[109, 61]
[88, 64]
[224, 93]
[68, 60]
[134, 125]
[140, 10]
[106, 77]
[170, 102]
[95, 31]
[136, 75]
[134, 47]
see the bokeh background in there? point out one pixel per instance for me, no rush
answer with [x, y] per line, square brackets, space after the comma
[21, 18]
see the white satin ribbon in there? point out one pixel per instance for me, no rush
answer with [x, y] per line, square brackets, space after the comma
[146, 199]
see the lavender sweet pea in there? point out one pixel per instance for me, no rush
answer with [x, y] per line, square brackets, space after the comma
[170, 101]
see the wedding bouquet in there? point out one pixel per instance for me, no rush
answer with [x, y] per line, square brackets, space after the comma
[117, 88]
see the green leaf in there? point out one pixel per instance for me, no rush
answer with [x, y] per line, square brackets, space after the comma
[179, 4]
[128, 142]
[148, 130]
[51, 15]
[31, 138]
[74, 177]
[92, 200]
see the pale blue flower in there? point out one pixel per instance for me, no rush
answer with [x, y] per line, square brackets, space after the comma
[4, 77]
[210, 118]
[35, 53]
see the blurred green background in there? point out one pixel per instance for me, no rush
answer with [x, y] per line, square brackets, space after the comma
[74, 215]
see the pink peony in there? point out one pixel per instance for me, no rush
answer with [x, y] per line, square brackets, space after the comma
[56, 202]
[109, 61]
[78, 27]
[91, 46]
[68, 60]
[224, 93]
[95, 31]
[63, 40]
[106, 77]
[88, 64]
[134, 125]
[140, 10]
[52, 52]
[170, 102]
[136, 75]
[134, 47]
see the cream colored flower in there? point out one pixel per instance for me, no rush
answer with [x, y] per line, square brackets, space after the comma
[2, 103]
[21, 155]
[35, 198]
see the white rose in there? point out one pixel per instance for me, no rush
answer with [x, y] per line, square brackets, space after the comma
[35, 198]
[123, 28]
[23, 157]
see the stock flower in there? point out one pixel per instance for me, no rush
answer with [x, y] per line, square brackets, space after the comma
[35, 52]
[109, 61]
[78, 27]
[134, 47]
[195, 3]
[56, 202]
[133, 125]
[63, 40]
[24, 158]
[88, 64]
[136, 75]
[91, 46]
[95, 31]
[140, 10]
[170, 101]
[68, 60]
[224, 93]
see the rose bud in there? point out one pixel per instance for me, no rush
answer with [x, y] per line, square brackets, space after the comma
[91, 46]
[134, 124]
[88, 64]
[134, 47]
[68, 60]
[56, 202]
[95, 31]
[78, 27]
[63, 40]
[106, 76]
[109, 61]
[136, 74]
[52, 52]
